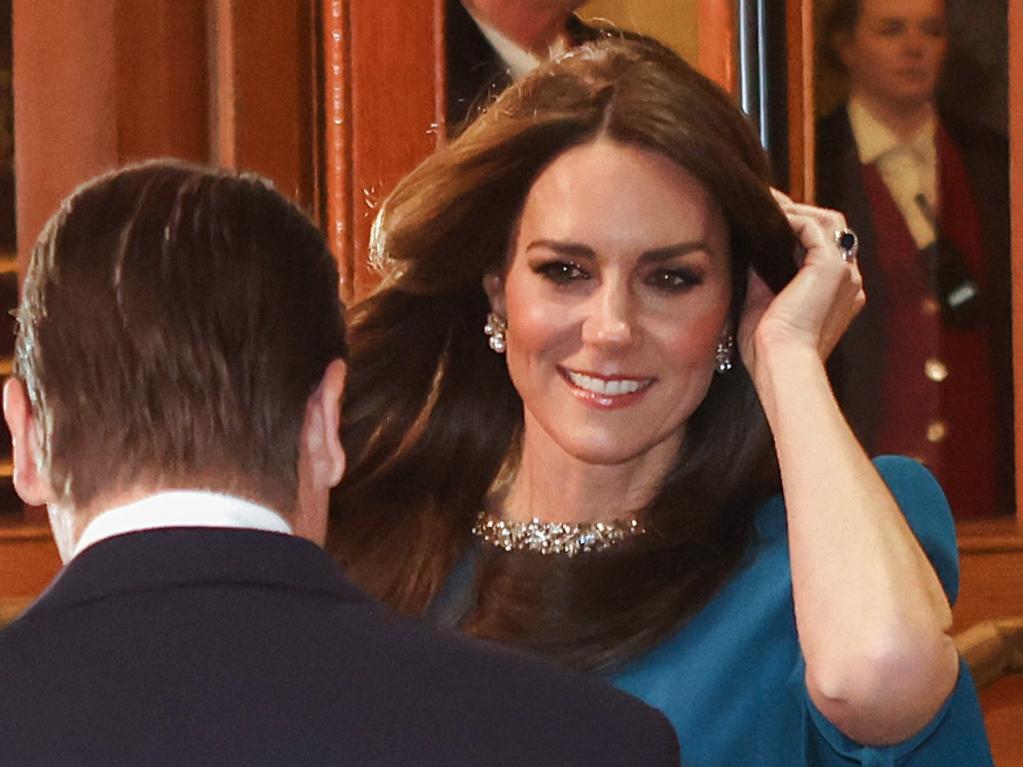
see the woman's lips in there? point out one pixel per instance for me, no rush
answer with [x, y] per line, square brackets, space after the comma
[605, 392]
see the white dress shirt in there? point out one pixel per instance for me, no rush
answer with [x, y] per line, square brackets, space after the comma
[908, 167]
[181, 508]
[517, 59]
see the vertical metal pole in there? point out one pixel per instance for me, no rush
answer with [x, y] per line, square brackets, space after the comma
[748, 92]
[763, 74]
[753, 64]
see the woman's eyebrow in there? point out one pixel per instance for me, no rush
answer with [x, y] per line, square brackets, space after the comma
[672, 251]
[565, 248]
[579, 250]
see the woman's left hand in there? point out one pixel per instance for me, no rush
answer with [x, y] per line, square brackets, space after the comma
[816, 307]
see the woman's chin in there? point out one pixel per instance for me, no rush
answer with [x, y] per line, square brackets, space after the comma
[605, 452]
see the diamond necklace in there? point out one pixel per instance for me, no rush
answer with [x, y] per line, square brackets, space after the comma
[554, 537]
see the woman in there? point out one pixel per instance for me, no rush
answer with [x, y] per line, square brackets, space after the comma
[594, 479]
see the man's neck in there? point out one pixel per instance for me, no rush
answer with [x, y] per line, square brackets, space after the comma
[532, 27]
[68, 522]
[75, 529]
[903, 119]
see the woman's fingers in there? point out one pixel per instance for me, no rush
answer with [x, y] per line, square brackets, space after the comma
[818, 231]
[827, 292]
[823, 237]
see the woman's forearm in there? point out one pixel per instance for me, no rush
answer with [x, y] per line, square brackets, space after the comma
[870, 610]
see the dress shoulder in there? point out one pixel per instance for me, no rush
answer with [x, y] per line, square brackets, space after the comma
[919, 497]
[926, 509]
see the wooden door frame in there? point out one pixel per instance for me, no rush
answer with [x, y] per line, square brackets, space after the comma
[383, 113]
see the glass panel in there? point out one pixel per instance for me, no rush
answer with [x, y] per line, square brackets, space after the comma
[912, 147]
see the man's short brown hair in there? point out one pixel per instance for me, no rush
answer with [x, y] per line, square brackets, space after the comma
[174, 321]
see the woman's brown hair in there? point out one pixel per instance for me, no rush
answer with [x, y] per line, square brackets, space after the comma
[431, 415]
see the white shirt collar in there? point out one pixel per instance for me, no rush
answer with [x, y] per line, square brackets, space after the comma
[517, 59]
[875, 139]
[181, 508]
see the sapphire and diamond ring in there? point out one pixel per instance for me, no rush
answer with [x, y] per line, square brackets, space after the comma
[848, 244]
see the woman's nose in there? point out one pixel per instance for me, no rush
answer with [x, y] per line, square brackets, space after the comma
[610, 320]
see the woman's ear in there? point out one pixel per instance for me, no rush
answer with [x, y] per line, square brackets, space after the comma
[493, 286]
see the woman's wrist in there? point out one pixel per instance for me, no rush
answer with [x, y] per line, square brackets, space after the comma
[782, 362]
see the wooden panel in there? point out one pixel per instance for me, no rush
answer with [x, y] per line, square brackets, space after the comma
[718, 28]
[991, 561]
[396, 86]
[65, 127]
[161, 87]
[1003, 715]
[799, 77]
[1016, 196]
[263, 109]
[990, 588]
[28, 561]
[98, 83]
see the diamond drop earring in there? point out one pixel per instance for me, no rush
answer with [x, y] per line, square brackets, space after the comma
[494, 330]
[725, 352]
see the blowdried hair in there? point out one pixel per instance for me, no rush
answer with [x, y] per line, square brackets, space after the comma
[431, 415]
[174, 321]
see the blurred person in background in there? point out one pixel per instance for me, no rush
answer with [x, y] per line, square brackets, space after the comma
[492, 43]
[925, 369]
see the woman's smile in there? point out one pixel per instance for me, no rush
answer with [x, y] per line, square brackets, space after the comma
[606, 392]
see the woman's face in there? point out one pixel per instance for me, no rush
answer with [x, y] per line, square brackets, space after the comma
[616, 294]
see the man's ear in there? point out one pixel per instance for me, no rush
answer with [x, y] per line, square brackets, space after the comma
[32, 486]
[321, 437]
[493, 286]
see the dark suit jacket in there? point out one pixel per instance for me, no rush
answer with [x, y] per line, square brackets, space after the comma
[856, 364]
[230, 647]
[475, 73]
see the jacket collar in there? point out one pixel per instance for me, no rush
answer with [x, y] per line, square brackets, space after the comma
[181, 508]
[157, 559]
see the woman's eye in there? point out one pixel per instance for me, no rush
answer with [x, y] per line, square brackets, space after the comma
[561, 272]
[673, 280]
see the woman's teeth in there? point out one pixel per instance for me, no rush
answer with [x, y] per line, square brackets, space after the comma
[608, 388]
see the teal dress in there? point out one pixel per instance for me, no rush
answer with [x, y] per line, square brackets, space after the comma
[731, 680]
